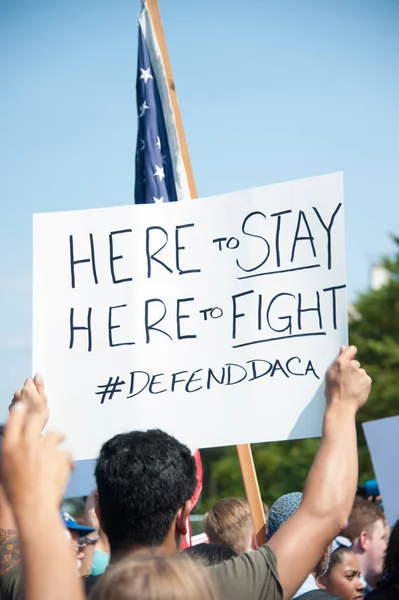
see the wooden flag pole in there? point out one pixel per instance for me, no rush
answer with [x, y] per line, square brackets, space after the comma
[244, 450]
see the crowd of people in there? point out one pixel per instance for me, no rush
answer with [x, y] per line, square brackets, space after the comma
[322, 542]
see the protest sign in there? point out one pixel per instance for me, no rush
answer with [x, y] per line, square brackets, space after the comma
[382, 438]
[214, 320]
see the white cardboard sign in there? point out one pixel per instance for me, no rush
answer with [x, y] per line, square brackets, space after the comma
[383, 441]
[214, 320]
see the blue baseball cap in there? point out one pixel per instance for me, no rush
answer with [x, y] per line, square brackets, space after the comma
[71, 524]
[371, 488]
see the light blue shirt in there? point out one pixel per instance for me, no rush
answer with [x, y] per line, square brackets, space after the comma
[308, 585]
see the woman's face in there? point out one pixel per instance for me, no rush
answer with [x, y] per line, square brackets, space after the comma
[344, 579]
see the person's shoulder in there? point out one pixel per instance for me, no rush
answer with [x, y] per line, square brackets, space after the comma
[250, 576]
[89, 583]
[263, 558]
[317, 594]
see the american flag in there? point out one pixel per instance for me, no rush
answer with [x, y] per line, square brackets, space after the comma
[160, 174]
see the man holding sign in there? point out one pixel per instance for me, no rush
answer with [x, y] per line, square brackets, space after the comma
[138, 516]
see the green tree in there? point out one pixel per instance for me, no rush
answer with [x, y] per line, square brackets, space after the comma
[281, 467]
[375, 331]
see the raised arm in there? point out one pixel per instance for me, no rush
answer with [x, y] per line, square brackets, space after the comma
[34, 473]
[34, 398]
[331, 485]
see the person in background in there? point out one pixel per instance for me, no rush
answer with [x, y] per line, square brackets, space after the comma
[154, 578]
[78, 536]
[229, 523]
[9, 541]
[343, 575]
[388, 588]
[34, 475]
[210, 554]
[367, 530]
[98, 552]
[281, 511]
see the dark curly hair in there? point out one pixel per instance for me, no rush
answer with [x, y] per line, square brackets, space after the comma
[143, 479]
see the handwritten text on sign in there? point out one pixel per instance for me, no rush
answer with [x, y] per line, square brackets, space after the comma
[214, 319]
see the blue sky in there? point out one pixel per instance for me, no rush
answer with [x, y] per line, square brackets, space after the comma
[270, 90]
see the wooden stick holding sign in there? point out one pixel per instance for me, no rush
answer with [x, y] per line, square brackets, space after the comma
[244, 450]
[252, 491]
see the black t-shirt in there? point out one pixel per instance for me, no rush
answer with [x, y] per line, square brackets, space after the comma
[90, 582]
[318, 595]
[384, 593]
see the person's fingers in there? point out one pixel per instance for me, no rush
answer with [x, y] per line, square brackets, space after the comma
[67, 457]
[53, 438]
[30, 390]
[33, 425]
[17, 398]
[342, 349]
[39, 383]
[15, 424]
[67, 463]
[29, 385]
[356, 364]
[348, 354]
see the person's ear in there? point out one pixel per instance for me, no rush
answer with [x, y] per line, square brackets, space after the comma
[182, 518]
[363, 539]
[320, 581]
[97, 510]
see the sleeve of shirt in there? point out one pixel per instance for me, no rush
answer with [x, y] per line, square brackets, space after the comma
[10, 584]
[251, 576]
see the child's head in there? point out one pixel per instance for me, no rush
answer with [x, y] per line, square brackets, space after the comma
[343, 575]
